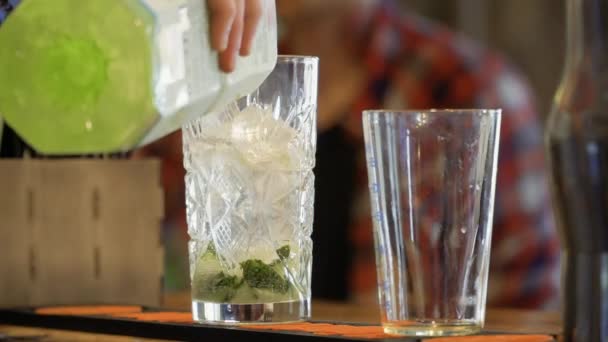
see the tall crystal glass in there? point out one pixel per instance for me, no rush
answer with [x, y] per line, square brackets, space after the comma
[249, 196]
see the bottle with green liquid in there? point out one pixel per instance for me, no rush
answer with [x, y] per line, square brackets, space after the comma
[105, 76]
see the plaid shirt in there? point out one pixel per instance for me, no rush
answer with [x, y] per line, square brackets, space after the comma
[412, 63]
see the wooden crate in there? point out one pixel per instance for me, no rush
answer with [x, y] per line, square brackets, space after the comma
[78, 231]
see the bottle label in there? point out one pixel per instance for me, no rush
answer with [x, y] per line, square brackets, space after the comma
[181, 48]
[188, 82]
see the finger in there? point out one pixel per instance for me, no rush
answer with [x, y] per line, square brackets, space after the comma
[222, 14]
[228, 56]
[252, 16]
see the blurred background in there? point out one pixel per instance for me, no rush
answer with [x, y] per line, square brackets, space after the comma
[529, 32]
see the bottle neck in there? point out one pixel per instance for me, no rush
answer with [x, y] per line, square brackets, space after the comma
[587, 35]
[584, 84]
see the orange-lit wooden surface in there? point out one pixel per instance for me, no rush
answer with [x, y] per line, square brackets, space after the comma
[506, 320]
[516, 321]
[50, 335]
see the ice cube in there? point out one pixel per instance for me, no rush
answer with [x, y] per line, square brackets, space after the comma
[262, 140]
[219, 182]
[254, 124]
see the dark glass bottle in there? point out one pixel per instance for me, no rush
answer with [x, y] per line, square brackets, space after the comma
[577, 142]
[6, 6]
[11, 145]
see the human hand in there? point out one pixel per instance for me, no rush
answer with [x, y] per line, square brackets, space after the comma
[233, 25]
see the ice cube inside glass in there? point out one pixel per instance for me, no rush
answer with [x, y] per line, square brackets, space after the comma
[249, 197]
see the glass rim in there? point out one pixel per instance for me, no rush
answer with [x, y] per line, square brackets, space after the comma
[297, 58]
[440, 111]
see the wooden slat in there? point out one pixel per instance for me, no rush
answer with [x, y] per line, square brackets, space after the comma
[62, 236]
[14, 235]
[80, 231]
[130, 210]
